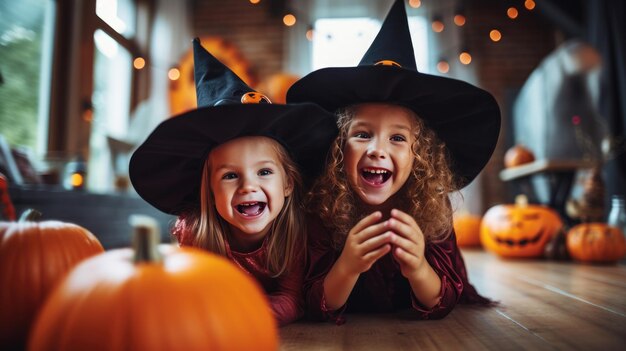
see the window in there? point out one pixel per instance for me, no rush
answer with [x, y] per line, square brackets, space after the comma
[25, 55]
[67, 83]
[419, 37]
[111, 107]
[119, 15]
[113, 84]
[342, 42]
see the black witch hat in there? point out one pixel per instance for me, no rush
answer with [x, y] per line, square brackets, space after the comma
[465, 118]
[166, 169]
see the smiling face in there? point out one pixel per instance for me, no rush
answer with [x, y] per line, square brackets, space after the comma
[377, 154]
[249, 186]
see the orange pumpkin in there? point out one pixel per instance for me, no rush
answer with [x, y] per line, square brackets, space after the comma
[596, 242]
[34, 256]
[518, 155]
[519, 230]
[467, 229]
[156, 298]
[254, 97]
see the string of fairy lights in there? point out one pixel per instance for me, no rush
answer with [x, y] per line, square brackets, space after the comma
[459, 19]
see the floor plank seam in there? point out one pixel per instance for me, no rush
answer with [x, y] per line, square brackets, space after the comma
[565, 293]
[522, 326]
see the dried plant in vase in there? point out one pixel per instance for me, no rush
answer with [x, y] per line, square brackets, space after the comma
[590, 207]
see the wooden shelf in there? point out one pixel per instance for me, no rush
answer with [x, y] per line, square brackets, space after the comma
[543, 166]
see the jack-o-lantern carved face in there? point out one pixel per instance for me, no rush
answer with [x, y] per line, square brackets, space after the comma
[519, 230]
[254, 97]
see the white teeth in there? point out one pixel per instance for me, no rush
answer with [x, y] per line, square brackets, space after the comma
[249, 204]
[375, 171]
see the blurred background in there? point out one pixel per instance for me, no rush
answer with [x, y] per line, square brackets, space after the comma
[83, 82]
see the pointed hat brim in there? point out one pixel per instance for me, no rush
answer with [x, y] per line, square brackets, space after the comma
[466, 118]
[166, 170]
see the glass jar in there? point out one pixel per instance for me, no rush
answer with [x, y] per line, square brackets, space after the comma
[617, 216]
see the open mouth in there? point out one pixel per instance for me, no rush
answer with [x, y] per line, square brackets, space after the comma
[251, 209]
[375, 176]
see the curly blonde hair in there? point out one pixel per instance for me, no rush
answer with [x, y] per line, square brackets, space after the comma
[203, 227]
[424, 195]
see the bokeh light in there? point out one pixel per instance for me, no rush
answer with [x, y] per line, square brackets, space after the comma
[173, 74]
[139, 63]
[443, 66]
[495, 35]
[289, 20]
[465, 58]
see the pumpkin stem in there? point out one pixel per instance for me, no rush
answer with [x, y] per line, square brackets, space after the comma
[146, 239]
[30, 215]
[521, 200]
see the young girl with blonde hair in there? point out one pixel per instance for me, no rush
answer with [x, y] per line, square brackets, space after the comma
[232, 171]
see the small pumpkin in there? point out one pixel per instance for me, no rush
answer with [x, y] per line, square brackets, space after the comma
[156, 297]
[596, 242]
[520, 229]
[34, 256]
[467, 229]
[517, 156]
[254, 97]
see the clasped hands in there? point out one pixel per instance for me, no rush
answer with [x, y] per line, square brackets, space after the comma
[370, 239]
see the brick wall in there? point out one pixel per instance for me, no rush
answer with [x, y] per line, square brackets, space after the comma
[255, 30]
[503, 67]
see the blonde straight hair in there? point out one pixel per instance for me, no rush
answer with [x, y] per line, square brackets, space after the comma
[287, 235]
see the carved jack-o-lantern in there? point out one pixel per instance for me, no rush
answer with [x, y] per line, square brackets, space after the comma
[519, 230]
[254, 97]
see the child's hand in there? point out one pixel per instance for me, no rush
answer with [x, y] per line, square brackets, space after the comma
[366, 242]
[408, 243]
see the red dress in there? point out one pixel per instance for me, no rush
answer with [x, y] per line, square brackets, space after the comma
[284, 293]
[383, 288]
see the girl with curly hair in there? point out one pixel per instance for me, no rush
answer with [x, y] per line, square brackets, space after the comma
[406, 140]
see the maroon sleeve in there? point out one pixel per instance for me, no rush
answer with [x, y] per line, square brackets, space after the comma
[321, 257]
[182, 231]
[441, 257]
[469, 295]
[287, 301]
[445, 258]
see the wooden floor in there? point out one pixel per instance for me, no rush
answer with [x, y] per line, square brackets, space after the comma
[543, 306]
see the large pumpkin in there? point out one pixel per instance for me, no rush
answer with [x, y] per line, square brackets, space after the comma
[34, 256]
[467, 229]
[596, 242]
[520, 229]
[156, 298]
